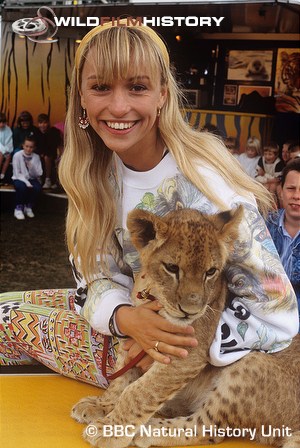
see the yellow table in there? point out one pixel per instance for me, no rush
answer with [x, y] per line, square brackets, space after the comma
[35, 413]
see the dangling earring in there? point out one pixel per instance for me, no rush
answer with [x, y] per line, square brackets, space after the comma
[158, 112]
[83, 122]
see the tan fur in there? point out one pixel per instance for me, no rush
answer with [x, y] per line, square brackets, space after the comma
[260, 389]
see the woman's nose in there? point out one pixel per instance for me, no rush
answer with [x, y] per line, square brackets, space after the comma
[119, 104]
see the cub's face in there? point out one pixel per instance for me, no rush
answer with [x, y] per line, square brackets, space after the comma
[183, 256]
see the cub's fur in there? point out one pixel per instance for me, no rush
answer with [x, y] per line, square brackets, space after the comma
[183, 256]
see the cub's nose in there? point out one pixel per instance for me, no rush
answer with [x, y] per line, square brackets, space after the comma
[193, 298]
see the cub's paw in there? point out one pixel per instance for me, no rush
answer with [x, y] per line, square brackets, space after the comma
[141, 442]
[89, 409]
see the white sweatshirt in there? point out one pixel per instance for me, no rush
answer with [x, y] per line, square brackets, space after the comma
[263, 311]
[26, 167]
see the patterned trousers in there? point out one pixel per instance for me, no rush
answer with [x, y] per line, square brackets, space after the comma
[43, 326]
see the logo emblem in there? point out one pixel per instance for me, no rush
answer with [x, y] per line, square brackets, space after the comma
[39, 26]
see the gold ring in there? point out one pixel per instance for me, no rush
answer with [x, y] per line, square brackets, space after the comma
[156, 346]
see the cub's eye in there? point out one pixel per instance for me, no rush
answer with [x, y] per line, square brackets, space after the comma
[172, 268]
[211, 272]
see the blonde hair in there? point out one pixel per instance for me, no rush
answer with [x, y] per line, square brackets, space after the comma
[87, 164]
[254, 142]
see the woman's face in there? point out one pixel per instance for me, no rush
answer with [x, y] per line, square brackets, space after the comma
[124, 112]
[291, 194]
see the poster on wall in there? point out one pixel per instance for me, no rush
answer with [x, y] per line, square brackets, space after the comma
[287, 80]
[263, 91]
[229, 97]
[250, 65]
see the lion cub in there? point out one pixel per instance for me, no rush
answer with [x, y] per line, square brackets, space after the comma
[190, 402]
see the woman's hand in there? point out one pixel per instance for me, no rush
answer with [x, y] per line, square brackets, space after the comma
[133, 349]
[147, 328]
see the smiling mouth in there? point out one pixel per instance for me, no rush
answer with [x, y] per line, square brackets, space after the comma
[120, 125]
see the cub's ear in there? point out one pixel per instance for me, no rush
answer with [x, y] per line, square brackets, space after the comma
[144, 227]
[228, 222]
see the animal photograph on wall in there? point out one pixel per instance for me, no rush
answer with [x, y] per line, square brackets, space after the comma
[250, 65]
[287, 80]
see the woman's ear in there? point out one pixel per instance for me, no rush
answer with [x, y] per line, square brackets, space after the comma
[163, 96]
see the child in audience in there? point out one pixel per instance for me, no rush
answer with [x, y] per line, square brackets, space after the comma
[284, 225]
[250, 157]
[24, 128]
[285, 156]
[6, 145]
[269, 167]
[294, 150]
[232, 146]
[49, 143]
[27, 169]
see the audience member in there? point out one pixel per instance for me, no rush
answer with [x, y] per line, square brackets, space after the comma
[27, 170]
[285, 156]
[269, 167]
[24, 128]
[294, 150]
[49, 143]
[6, 145]
[232, 146]
[284, 224]
[213, 129]
[249, 159]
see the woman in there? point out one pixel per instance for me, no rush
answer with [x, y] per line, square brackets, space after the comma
[133, 149]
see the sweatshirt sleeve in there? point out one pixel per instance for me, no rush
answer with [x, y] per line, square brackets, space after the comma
[7, 145]
[97, 301]
[262, 308]
[36, 169]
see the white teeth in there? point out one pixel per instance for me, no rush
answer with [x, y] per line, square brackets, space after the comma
[117, 125]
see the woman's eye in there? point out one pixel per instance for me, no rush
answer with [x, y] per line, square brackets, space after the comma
[172, 268]
[100, 88]
[138, 88]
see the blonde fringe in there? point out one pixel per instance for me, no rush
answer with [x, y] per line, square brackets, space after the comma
[86, 162]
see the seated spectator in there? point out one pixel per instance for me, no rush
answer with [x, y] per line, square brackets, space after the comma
[285, 156]
[269, 167]
[27, 170]
[6, 146]
[24, 128]
[49, 144]
[232, 146]
[284, 224]
[249, 159]
[213, 129]
[294, 150]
